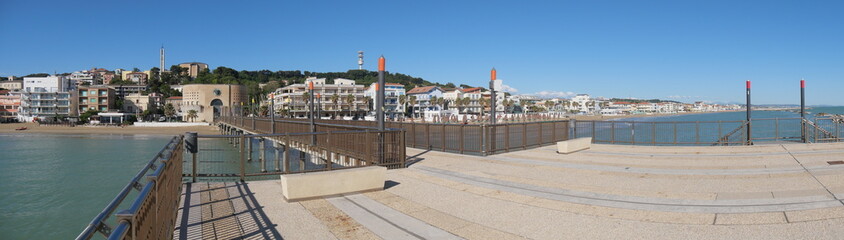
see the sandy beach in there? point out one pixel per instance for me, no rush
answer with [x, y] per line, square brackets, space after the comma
[35, 128]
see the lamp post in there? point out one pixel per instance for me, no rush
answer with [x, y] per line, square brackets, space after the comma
[272, 113]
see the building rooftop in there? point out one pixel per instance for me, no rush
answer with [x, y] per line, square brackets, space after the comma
[425, 89]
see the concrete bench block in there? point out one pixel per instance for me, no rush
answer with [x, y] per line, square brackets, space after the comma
[304, 186]
[574, 145]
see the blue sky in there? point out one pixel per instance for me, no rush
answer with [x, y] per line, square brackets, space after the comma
[682, 50]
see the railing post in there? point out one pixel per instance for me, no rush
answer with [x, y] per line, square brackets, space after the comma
[249, 142]
[276, 155]
[482, 127]
[462, 132]
[242, 160]
[633, 132]
[263, 154]
[328, 163]
[443, 136]
[286, 157]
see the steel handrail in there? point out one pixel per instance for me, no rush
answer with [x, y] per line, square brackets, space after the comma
[95, 224]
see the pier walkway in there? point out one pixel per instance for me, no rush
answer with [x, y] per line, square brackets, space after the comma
[774, 191]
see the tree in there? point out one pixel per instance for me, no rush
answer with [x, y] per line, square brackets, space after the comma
[169, 111]
[350, 99]
[192, 115]
[84, 117]
[335, 99]
[548, 105]
[366, 101]
[403, 99]
[412, 102]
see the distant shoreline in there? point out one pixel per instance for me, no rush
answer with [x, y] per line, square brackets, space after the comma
[619, 117]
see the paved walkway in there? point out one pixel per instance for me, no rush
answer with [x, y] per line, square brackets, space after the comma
[608, 192]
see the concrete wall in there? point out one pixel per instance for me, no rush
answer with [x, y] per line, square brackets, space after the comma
[303, 186]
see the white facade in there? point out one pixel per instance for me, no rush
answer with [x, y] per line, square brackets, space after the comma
[44, 97]
[392, 91]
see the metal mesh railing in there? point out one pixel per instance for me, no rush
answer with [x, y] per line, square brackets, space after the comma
[708, 132]
[265, 156]
[152, 214]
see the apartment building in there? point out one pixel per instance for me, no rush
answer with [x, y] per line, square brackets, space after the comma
[98, 98]
[10, 102]
[350, 98]
[46, 98]
[392, 92]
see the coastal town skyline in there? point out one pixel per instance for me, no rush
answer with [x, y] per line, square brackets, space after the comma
[706, 49]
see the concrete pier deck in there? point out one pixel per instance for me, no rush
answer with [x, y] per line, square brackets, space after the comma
[788, 191]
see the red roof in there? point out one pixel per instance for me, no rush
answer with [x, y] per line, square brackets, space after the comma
[174, 98]
[4, 91]
[474, 89]
[421, 89]
[394, 84]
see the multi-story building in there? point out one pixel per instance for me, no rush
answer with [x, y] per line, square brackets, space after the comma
[423, 99]
[10, 102]
[125, 90]
[46, 97]
[193, 68]
[210, 100]
[82, 78]
[137, 77]
[176, 101]
[11, 85]
[135, 103]
[98, 98]
[350, 98]
[392, 92]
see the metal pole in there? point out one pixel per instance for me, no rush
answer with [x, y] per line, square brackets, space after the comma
[311, 112]
[749, 136]
[249, 140]
[379, 94]
[803, 110]
[272, 116]
[242, 160]
[379, 107]
[277, 157]
[262, 155]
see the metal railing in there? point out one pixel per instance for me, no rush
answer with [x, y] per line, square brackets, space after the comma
[480, 139]
[152, 214]
[708, 132]
[248, 157]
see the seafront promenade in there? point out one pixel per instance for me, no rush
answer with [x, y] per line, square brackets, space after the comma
[772, 191]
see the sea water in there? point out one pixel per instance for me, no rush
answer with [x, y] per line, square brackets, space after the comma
[53, 185]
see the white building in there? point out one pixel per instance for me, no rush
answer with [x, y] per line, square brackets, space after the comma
[392, 92]
[81, 77]
[423, 99]
[292, 99]
[45, 97]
